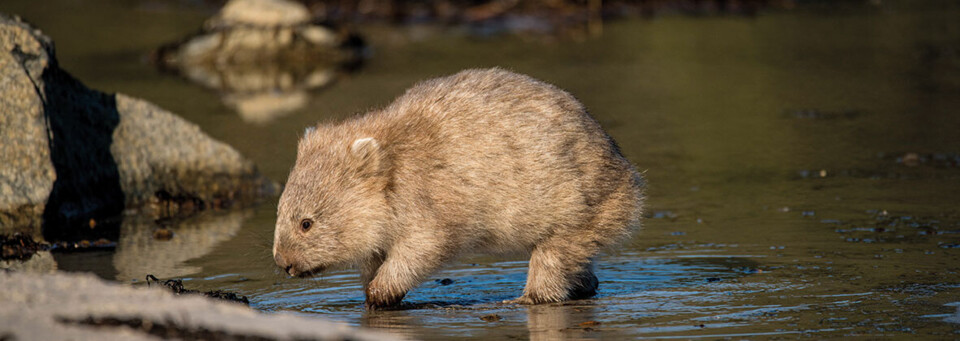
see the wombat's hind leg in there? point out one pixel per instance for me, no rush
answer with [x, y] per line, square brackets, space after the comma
[560, 269]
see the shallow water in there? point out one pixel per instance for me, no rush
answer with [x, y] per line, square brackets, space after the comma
[803, 169]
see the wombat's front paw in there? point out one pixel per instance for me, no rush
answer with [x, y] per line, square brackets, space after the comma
[372, 305]
[382, 305]
[381, 300]
[520, 300]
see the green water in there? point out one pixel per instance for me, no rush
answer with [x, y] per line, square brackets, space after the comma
[781, 203]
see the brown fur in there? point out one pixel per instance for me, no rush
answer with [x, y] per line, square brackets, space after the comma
[481, 161]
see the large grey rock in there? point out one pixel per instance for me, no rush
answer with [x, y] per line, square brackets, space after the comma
[26, 171]
[71, 156]
[63, 306]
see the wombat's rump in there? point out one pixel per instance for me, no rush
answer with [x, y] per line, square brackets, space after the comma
[480, 161]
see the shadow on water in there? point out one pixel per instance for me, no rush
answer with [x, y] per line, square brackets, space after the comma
[86, 200]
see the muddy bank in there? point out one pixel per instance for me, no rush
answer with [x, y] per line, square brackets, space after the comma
[74, 159]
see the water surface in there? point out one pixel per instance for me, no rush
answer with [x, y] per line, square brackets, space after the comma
[803, 170]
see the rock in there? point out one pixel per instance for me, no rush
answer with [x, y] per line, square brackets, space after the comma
[911, 159]
[264, 13]
[263, 56]
[64, 306]
[73, 159]
[159, 152]
[26, 171]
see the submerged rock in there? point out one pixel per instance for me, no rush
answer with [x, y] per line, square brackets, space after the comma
[263, 56]
[72, 159]
[82, 307]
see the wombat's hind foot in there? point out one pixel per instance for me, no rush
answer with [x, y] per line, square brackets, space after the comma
[560, 269]
[584, 285]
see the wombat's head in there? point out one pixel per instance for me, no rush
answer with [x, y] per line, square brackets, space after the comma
[333, 207]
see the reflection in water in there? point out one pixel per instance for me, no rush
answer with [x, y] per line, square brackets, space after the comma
[396, 322]
[141, 250]
[96, 261]
[264, 66]
[567, 321]
[145, 247]
[41, 262]
[261, 92]
[560, 322]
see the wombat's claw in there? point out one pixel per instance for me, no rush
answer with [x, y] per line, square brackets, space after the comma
[519, 300]
[378, 307]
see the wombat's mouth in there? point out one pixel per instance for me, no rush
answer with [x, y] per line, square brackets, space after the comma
[311, 273]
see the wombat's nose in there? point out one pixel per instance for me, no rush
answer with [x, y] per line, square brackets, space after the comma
[282, 263]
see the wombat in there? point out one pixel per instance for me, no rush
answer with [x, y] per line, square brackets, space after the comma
[485, 161]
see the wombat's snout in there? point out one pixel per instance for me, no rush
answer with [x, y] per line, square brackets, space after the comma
[282, 263]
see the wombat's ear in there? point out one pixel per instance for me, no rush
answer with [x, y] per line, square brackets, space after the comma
[367, 150]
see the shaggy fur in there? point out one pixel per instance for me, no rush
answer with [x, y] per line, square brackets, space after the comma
[481, 161]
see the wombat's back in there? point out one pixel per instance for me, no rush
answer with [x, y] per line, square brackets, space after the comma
[505, 160]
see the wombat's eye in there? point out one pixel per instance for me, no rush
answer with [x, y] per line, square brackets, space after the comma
[306, 224]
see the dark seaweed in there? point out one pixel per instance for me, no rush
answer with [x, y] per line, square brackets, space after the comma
[176, 286]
